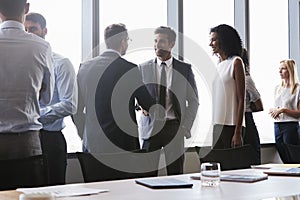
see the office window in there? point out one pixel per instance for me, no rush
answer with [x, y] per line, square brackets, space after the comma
[268, 46]
[64, 26]
[141, 17]
[198, 18]
[64, 34]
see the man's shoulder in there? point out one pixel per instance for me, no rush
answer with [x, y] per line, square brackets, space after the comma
[126, 62]
[62, 64]
[95, 65]
[57, 56]
[147, 63]
[35, 41]
[60, 59]
[181, 63]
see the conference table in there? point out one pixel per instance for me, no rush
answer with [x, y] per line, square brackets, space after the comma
[274, 186]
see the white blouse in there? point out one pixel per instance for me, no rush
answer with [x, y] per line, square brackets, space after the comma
[284, 99]
[225, 105]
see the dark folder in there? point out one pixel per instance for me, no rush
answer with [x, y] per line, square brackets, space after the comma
[164, 183]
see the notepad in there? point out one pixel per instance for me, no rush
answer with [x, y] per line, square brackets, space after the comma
[247, 178]
[291, 197]
[275, 165]
[164, 183]
[283, 171]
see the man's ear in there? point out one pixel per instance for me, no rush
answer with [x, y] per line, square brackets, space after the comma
[27, 8]
[172, 44]
[45, 30]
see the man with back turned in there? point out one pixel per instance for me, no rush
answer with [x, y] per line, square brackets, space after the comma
[26, 77]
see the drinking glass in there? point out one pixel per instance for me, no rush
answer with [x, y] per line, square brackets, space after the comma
[210, 174]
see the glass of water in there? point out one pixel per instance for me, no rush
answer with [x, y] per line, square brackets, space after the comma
[210, 174]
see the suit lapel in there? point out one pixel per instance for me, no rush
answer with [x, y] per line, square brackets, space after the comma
[176, 70]
[154, 76]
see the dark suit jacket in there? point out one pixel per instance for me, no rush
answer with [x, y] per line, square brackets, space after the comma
[118, 87]
[184, 95]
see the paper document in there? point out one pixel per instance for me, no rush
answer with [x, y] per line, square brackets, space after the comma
[63, 190]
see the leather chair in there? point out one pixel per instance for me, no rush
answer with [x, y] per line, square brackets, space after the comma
[229, 159]
[24, 172]
[116, 166]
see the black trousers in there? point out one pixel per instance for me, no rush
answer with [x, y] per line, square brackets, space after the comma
[171, 140]
[222, 136]
[54, 146]
[251, 135]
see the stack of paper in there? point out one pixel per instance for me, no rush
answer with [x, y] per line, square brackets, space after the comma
[63, 190]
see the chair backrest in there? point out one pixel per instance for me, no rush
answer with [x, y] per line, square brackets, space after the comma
[293, 152]
[115, 166]
[229, 159]
[24, 172]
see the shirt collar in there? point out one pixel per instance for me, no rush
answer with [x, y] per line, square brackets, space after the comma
[114, 51]
[168, 62]
[11, 24]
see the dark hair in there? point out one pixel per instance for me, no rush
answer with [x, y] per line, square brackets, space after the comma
[245, 59]
[36, 18]
[114, 34]
[12, 8]
[168, 31]
[229, 40]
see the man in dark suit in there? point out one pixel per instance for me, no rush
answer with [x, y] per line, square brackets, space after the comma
[119, 86]
[171, 82]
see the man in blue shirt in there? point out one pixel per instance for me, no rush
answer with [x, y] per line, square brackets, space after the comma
[64, 103]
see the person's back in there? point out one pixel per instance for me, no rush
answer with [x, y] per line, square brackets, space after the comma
[88, 77]
[26, 77]
[21, 78]
[108, 108]
[115, 103]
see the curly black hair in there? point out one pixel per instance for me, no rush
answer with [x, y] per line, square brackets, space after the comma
[229, 40]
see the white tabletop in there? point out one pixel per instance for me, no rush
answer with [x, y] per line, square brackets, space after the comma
[129, 190]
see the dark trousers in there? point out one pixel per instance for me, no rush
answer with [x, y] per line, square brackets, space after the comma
[54, 146]
[251, 135]
[286, 133]
[171, 140]
[222, 136]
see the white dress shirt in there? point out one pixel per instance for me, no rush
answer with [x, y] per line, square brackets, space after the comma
[169, 72]
[26, 77]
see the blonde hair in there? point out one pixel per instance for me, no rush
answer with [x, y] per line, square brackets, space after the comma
[293, 77]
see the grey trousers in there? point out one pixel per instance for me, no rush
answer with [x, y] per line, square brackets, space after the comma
[19, 145]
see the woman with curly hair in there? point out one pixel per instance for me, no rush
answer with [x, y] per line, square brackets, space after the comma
[228, 88]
